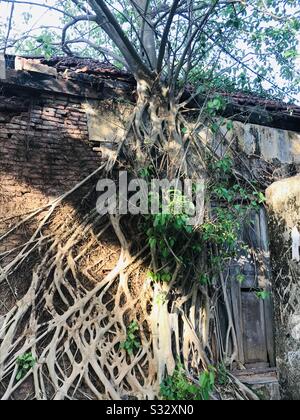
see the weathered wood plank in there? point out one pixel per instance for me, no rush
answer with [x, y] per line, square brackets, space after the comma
[254, 332]
[46, 83]
[270, 327]
[237, 315]
[2, 67]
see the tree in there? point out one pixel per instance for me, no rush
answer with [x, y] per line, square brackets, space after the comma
[240, 40]
[177, 51]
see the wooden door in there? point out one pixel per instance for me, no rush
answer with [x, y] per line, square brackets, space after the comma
[253, 315]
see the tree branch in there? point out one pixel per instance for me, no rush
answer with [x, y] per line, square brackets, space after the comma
[81, 7]
[9, 26]
[239, 61]
[147, 31]
[111, 26]
[45, 6]
[197, 31]
[90, 18]
[129, 20]
[102, 50]
[165, 36]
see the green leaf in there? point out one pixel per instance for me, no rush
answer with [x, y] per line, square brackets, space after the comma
[229, 125]
[152, 243]
[19, 375]
[240, 278]
[263, 295]
[184, 130]
[290, 54]
[204, 279]
[165, 252]
[215, 128]
[262, 198]
[166, 277]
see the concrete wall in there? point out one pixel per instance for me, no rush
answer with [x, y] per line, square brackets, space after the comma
[284, 204]
[270, 154]
[268, 143]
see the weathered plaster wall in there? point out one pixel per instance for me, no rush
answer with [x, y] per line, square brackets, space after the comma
[270, 154]
[284, 202]
[106, 123]
[268, 143]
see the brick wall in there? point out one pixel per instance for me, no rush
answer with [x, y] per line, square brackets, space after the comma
[44, 151]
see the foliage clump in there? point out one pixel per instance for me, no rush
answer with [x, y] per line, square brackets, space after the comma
[132, 342]
[179, 387]
[25, 363]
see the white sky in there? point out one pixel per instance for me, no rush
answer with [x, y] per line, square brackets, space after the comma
[44, 17]
[41, 17]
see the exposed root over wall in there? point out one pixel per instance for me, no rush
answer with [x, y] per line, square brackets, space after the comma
[87, 285]
[89, 282]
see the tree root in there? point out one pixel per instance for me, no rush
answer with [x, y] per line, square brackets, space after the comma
[76, 311]
[89, 283]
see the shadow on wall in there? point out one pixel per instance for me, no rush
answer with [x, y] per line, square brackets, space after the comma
[44, 151]
[46, 147]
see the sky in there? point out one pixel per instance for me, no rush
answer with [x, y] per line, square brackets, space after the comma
[41, 16]
[44, 17]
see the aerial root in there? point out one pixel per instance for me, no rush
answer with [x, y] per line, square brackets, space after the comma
[76, 311]
[88, 283]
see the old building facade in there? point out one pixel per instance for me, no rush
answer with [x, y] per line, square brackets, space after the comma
[60, 119]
